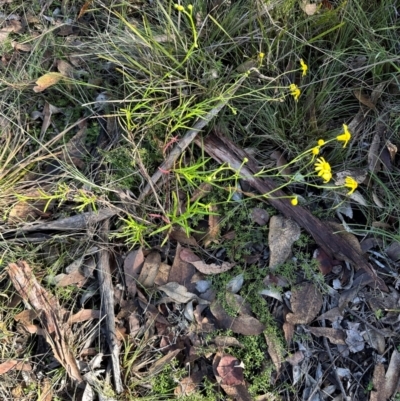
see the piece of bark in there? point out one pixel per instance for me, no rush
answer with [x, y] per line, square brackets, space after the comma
[223, 151]
[49, 311]
[73, 223]
[107, 304]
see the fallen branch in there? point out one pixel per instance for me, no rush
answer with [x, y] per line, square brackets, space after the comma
[223, 150]
[107, 304]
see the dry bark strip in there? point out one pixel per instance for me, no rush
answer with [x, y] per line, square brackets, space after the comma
[107, 304]
[223, 150]
[48, 310]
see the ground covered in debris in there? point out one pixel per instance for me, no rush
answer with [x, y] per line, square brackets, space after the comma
[199, 201]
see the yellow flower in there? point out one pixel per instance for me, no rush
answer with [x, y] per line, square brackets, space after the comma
[350, 183]
[261, 55]
[190, 7]
[324, 169]
[321, 142]
[315, 150]
[294, 201]
[304, 67]
[295, 91]
[179, 7]
[346, 136]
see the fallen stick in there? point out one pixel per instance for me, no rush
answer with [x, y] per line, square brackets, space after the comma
[187, 139]
[107, 304]
[223, 150]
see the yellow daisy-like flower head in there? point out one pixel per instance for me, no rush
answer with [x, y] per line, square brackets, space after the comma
[294, 201]
[315, 150]
[261, 55]
[304, 67]
[321, 142]
[346, 136]
[351, 183]
[295, 91]
[324, 169]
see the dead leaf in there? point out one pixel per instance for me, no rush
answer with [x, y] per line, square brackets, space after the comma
[283, 233]
[226, 341]
[65, 69]
[229, 374]
[335, 336]
[162, 277]
[392, 150]
[363, 98]
[306, 302]
[393, 251]
[374, 163]
[178, 293]
[378, 381]
[259, 216]
[189, 385]
[288, 330]
[182, 269]
[212, 268]
[325, 262]
[46, 392]
[150, 269]
[246, 325]
[83, 315]
[133, 264]
[47, 80]
[230, 371]
[213, 226]
[274, 350]
[392, 374]
[48, 111]
[14, 364]
[23, 47]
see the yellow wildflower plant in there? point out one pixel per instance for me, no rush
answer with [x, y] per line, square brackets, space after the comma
[346, 136]
[350, 183]
[294, 201]
[179, 7]
[295, 91]
[304, 67]
[316, 149]
[324, 169]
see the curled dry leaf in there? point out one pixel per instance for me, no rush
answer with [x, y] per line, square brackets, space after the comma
[363, 98]
[306, 302]
[335, 336]
[283, 233]
[182, 270]
[150, 269]
[281, 162]
[133, 264]
[47, 80]
[259, 216]
[14, 364]
[178, 293]
[229, 374]
[212, 268]
[246, 325]
[309, 9]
